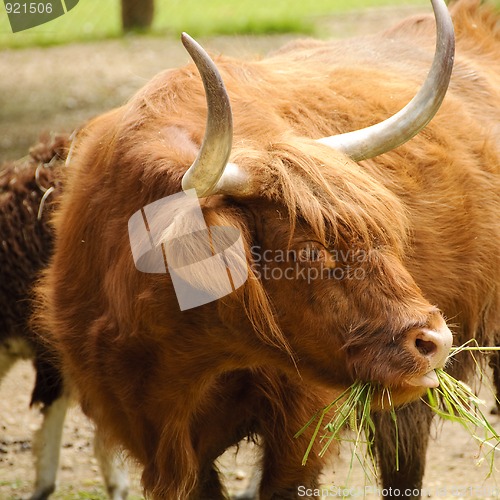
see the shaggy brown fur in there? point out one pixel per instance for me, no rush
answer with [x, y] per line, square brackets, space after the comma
[418, 223]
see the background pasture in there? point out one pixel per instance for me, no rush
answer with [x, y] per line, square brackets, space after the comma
[93, 19]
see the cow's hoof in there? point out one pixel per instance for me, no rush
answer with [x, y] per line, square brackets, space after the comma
[43, 493]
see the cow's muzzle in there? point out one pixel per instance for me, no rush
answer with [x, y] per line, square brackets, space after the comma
[432, 347]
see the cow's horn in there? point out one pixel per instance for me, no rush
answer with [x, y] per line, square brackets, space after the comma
[401, 127]
[211, 173]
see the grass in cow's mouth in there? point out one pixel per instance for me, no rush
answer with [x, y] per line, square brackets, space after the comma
[453, 400]
[352, 410]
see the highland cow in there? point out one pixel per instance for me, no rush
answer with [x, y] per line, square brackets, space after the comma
[382, 232]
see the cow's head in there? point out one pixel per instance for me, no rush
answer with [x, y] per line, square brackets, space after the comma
[326, 242]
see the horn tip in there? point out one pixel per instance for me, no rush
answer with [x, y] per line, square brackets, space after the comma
[186, 39]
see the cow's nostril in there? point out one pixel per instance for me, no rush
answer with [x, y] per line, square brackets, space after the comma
[430, 346]
[425, 347]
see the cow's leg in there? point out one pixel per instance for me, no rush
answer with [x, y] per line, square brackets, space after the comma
[229, 420]
[495, 366]
[47, 445]
[49, 393]
[413, 425]
[211, 487]
[274, 407]
[113, 468]
[248, 406]
[283, 475]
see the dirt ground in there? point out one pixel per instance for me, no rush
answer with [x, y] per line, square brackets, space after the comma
[454, 467]
[56, 89]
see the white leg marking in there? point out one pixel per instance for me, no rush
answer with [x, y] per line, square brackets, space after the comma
[47, 446]
[113, 467]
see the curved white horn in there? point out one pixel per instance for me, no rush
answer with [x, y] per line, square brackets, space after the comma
[401, 127]
[211, 173]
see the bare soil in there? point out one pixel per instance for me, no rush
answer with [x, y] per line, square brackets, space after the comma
[454, 468]
[56, 89]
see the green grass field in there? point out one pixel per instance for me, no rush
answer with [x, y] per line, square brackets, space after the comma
[100, 19]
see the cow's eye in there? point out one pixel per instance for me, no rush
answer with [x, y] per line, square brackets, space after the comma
[311, 251]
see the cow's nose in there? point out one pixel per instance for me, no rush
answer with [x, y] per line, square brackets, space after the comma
[434, 346]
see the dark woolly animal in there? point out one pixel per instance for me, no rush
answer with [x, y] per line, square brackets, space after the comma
[28, 189]
[26, 244]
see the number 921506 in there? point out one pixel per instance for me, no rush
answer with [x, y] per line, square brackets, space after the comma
[28, 7]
